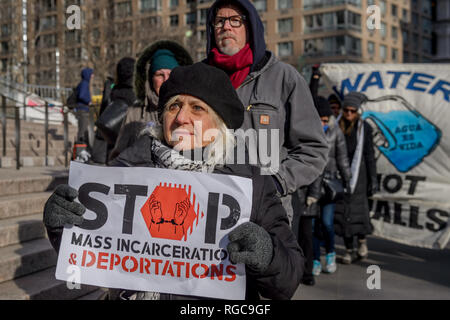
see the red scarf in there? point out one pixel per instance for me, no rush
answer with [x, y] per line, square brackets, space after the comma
[237, 66]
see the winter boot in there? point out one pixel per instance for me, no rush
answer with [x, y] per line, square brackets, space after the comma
[348, 257]
[330, 259]
[363, 252]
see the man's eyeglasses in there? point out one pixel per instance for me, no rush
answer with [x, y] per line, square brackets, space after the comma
[235, 21]
[350, 110]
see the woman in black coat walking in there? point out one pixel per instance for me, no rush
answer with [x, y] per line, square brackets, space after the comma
[352, 214]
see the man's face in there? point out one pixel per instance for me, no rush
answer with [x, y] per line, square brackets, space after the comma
[230, 40]
[185, 123]
[159, 77]
[336, 109]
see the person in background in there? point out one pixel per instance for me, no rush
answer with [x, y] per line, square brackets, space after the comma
[335, 105]
[338, 168]
[153, 67]
[352, 214]
[82, 112]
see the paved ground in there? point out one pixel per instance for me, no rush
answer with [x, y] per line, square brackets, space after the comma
[406, 273]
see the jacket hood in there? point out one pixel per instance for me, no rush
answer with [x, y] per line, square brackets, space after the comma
[142, 64]
[86, 74]
[256, 32]
[125, 69]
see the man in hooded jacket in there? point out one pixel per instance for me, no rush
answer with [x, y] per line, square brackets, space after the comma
[275, 96]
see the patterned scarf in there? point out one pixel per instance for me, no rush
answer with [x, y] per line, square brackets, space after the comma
[166, 157]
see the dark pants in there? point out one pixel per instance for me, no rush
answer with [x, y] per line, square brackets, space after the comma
[85, 128]
[349, 241]
[305, 241]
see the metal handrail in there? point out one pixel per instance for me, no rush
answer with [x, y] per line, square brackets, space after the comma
[4, 116]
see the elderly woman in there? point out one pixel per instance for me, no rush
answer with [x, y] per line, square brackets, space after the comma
[197, 105]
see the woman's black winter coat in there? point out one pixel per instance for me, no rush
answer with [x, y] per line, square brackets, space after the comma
[352, 213]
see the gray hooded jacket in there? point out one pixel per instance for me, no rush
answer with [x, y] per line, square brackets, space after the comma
[276, 96]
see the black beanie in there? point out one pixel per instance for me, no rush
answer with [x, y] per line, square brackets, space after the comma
[354, 99]
[323, 107]
[209, 84]
[334, 99]
[125, 70]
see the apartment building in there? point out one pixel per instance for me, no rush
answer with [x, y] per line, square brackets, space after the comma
[442, 31]
[345, 31]
[300, 32]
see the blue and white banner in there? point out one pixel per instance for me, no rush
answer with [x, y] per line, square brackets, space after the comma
[409, 110]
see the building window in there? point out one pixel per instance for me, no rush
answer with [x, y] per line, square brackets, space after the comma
[383, 30]
[394, 10]
[173, 3]
[285, 49]
[150, 5]
[394, 54]
[191, 18]
[174, 21]
[370, 48]
[426, 45]
[382, 5]
[284, 4]
[260, 5]
[405, 16]
[405, 35]
[394, 32]
[427, 25]
[203, 16]
[383, 52]
[122, 9]
[285, 25]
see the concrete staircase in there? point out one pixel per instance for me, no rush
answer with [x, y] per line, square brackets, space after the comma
[27, 259]
[32, 144]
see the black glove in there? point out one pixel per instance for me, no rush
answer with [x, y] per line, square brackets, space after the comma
[373, 188]
[316, 72]
[250, 244]
[60, 209]
[347, 188]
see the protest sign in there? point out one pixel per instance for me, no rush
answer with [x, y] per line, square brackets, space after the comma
[158, 230]
[409, 111]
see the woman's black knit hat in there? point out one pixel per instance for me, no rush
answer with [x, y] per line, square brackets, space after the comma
[209, 84]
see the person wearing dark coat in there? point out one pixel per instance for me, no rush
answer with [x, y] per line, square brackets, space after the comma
[335, 105]
[352, 214]
[337, 168]
[121, 97]
[82, 112]
[265, 244]
[305, 207]
[151, 70]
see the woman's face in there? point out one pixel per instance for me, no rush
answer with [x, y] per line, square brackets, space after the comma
[159, 77]
[350, 113]
[188, 123]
